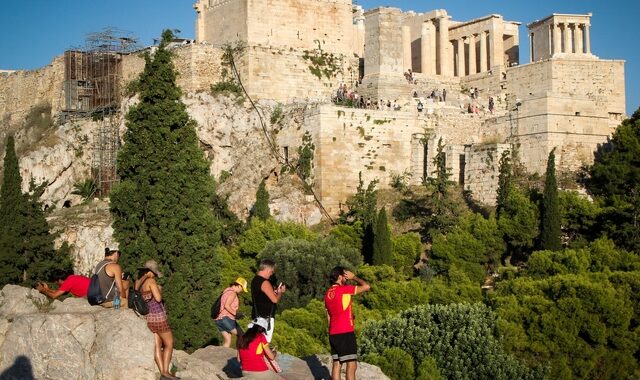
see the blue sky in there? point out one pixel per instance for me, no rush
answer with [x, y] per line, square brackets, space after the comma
[38, 30]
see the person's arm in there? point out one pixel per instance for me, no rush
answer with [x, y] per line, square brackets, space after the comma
[268, 352]
[44, 289]
[116, 271]
[155, 290]
[362, 287]
[274, 295]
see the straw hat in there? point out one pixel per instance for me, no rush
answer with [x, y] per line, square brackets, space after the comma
[152, 265]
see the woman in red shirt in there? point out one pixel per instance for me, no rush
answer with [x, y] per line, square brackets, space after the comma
[252, 349]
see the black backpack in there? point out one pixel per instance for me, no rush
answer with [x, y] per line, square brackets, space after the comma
[217, 307]
[94, 294]
[136, 302]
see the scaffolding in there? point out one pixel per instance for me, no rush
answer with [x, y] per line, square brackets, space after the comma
[92, 87]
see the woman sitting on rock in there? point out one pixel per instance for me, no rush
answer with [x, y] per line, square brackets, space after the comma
[252, 349]
[157, 317]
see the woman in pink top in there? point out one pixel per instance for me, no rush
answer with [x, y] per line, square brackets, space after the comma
[229, 304]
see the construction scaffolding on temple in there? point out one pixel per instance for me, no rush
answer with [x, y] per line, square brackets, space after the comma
[92, 87]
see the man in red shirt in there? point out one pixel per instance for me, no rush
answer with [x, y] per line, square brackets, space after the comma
[342, 337]
[75, 284]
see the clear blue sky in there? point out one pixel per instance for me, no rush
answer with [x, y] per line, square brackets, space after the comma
[38, 30]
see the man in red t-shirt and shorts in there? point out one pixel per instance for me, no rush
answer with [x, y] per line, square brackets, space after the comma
[342, 337]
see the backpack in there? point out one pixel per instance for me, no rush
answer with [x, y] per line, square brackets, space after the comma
[94, 294]
[217, 307]
[136, 302]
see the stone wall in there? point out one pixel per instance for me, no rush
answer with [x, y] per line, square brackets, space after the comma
[482, 169]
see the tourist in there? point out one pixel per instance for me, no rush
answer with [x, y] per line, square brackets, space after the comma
[471, 93]
[342, 338]
[415, 94]
[420, 106]
[444, 94]
[229, 315]
[491, 104]
[75, 284]
[253, 347]
[396, 106]
[111, 278]
[157, 317]
[265, 297]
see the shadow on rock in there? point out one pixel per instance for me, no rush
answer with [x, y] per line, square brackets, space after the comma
[232, 368]
[319, 370]
[20, 370]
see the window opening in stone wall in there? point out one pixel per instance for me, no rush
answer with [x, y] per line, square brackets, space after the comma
[285, 153]
[425, 161]
[462, 168]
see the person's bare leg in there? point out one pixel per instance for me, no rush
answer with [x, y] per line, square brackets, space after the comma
[158, 352]
[167, 342]
[351, 370]
[227, 339]
[335, 370]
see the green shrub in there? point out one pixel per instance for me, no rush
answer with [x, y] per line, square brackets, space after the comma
[259, 232]
[406, 251]
[394, 362]
[428, 370]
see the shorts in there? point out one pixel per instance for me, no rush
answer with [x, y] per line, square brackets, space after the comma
[343, 347]
[226, 324]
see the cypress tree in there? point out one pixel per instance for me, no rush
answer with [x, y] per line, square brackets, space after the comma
[261, 208]
[162, 208]
[27, 252]
[382, 241]
[550, 226]
[504, 180]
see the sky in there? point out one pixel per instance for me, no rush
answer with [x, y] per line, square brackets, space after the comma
[39, 30]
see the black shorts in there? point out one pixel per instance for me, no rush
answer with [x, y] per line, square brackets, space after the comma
[343, 347]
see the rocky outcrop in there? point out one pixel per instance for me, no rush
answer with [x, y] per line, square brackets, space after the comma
[71, 339]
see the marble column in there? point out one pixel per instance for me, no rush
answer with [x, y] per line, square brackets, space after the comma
[567, 39]
[557, 39]
[406, 48]
[577, 39]
[472, 55]
[483, 51]
[460, 57]
[427, 48]
[531, 57]
[446, 67]
[587, 40]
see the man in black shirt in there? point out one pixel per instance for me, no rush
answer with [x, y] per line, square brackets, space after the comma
[264, 296]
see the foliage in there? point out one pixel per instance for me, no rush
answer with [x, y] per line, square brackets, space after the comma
[518, 221]
[27, 253]
[322, 63]
[441, 180]
[399, 181]
[350, 234]
[382, 240]
[304, 266]
[435, 331]
[305, 157]
[578, 218]
[254, 239]
[428, 370]
[394, 362]
[614, 179]
[550, 221]
[473, 246]
[407, 249]
[86, 189]
[162, 208]
[584, 325]
[312, 320]
[260, 209]
[392, 295]
[362, 208]
[229, 83]
[295, 341]
[276, 115]
[504, 180]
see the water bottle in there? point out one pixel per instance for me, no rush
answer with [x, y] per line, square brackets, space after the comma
[116, 300]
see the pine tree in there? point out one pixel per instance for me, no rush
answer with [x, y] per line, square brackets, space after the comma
[27, 252]
[261, 208]
[505, 178]
[162, 208]
[382, 241]
[550, 226]
[441, 180]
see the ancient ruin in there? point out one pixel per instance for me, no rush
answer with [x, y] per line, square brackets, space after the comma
[439, 74]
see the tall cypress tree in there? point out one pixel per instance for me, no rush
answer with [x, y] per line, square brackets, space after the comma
[550, 226]
[382, 240]
[162, 207]
[504, 180]
[27, 252]
[261, 207]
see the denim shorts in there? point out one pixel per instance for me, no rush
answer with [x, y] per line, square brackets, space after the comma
[226, 324]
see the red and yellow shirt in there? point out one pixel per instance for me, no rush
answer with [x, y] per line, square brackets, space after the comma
[337, 300]
[252, 357]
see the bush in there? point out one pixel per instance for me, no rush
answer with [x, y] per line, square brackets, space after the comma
[259, 232]
[304, 266]
[406, 251]
[428, 370]
[394, 362]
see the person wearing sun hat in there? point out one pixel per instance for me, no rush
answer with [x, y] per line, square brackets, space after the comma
[157, 316]
[229, 303]
[252, 350]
